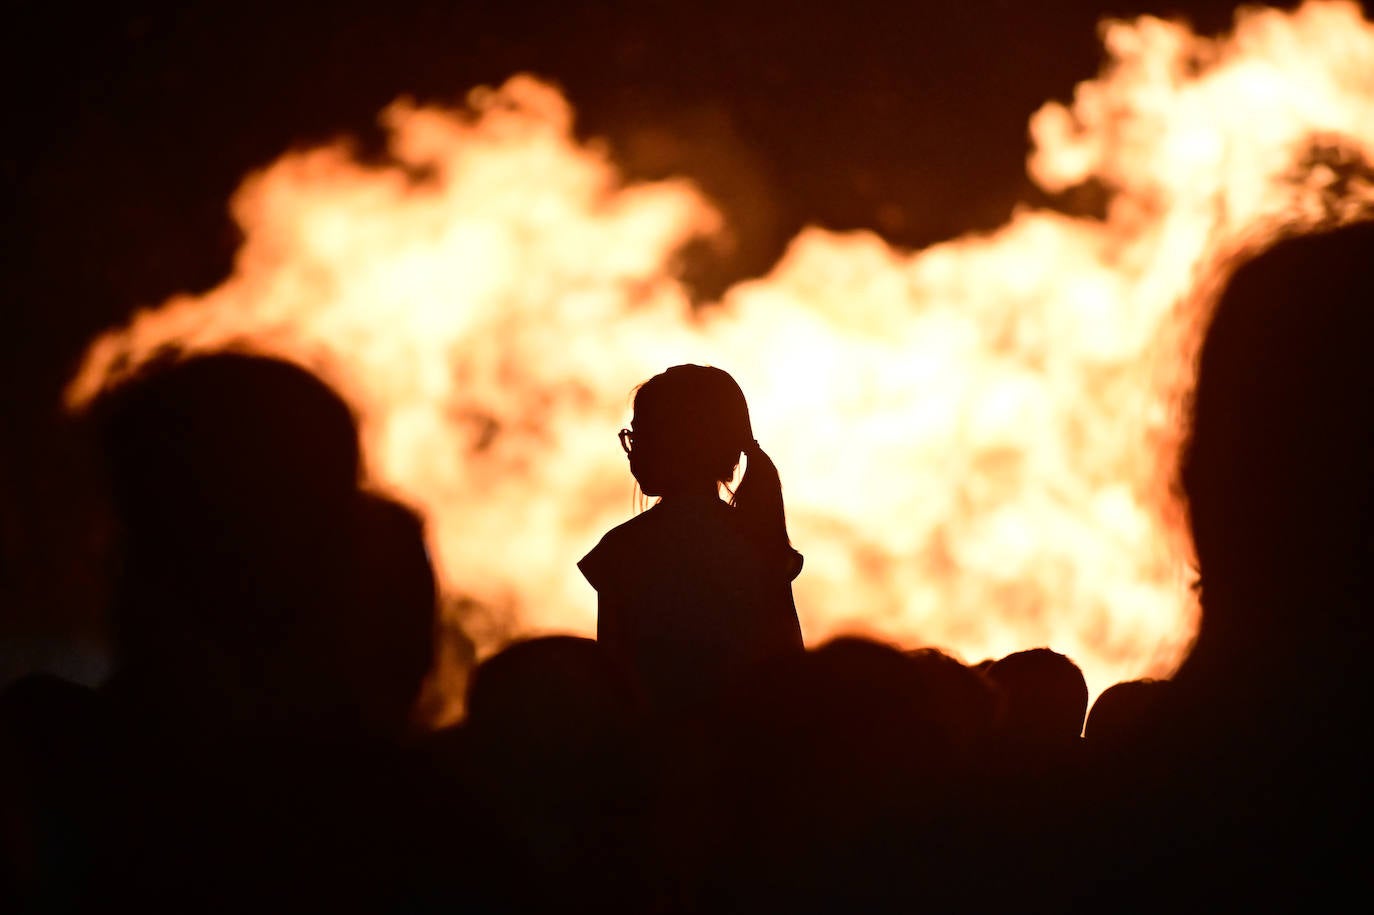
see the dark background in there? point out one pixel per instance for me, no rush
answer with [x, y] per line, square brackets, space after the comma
[129, 127]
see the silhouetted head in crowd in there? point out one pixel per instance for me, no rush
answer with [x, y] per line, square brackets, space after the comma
[553, 755]
[920, 707]
[958, 696]
[1042, 697]
[1279, 465]
[556, 692]
[188, 439]
[389, 639]
[846, 776]
[1122, 711]
[1251, 775]
[229, 474]
[860, 722]
[252, 564]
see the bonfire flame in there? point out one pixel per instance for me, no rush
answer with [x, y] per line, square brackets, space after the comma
[976, 439]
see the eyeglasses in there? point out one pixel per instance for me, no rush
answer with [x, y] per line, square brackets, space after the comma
[627, 440]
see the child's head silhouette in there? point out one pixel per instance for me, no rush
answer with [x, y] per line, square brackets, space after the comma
[691, 423]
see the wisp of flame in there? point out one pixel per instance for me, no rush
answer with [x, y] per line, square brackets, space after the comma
[976, 439]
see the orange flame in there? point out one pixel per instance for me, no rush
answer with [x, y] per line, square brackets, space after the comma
[976, 439]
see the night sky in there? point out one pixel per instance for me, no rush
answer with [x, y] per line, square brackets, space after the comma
[130, 126]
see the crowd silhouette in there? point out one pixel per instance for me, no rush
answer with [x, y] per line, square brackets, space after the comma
[274, 621]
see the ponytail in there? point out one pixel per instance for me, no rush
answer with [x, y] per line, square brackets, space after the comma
[758, 500]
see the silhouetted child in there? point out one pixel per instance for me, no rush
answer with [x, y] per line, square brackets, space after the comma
[695, 590]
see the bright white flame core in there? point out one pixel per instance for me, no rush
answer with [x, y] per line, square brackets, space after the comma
[976, 439]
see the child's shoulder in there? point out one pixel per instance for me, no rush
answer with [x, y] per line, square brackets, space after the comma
[646, 520]
[619, 547]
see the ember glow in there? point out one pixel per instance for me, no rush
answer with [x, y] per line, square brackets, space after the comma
[975, 439]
